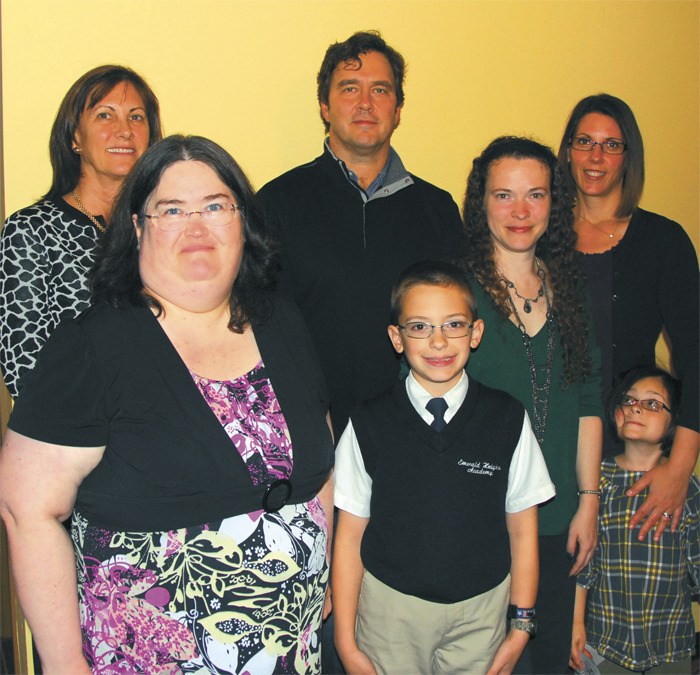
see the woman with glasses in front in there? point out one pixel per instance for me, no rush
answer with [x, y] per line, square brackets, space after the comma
[642, 275]
[181, 421]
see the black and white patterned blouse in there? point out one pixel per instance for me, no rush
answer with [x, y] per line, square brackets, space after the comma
[46, 251]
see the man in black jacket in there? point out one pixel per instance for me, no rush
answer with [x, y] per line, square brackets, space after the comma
[349, 222]
[353, 218]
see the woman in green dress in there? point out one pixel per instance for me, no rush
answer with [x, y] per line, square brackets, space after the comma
[537, 346]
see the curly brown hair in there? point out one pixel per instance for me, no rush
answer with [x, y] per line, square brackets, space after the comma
[556, 248]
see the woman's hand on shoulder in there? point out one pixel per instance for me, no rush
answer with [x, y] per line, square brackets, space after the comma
[668, 487]
[667, 492]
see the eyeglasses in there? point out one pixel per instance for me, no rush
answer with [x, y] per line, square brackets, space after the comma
[170, 218]
[649, 404]
[609, 147]
[450, 329]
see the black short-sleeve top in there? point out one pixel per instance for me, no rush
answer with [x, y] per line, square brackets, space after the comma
[112, 378]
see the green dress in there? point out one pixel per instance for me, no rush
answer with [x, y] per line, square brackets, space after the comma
[501, 362]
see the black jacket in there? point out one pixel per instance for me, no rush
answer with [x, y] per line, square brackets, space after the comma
[340, 255]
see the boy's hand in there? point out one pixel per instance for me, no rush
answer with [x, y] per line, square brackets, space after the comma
[578, 646]
[357, 662]
[509, 652]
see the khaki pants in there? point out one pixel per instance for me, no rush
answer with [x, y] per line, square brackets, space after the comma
[404, 634]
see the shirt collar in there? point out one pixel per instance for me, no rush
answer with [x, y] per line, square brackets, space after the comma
[378, 182]
[419, 397]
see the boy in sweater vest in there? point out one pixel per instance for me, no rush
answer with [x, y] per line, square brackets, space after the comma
[437, 483]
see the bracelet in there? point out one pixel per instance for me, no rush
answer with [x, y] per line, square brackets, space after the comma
[588, 492]
[515, 612]
[529, 626]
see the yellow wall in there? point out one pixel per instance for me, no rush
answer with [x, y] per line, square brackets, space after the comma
[243, 73]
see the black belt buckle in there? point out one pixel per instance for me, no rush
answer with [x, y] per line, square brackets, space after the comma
[277, 494]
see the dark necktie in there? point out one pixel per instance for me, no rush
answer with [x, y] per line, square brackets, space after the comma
[437, 407]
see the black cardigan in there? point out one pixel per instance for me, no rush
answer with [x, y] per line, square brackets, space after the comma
[655, 286]
[111, 377]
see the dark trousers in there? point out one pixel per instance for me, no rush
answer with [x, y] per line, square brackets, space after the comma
[549, 651]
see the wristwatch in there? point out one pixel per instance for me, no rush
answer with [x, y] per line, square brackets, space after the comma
[527, 625]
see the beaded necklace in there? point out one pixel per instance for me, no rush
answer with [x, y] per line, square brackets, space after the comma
[540, 392]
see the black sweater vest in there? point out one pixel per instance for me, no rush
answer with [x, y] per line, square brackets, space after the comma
[437, 528]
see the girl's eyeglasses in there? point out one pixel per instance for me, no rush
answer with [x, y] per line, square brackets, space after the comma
[648, 404]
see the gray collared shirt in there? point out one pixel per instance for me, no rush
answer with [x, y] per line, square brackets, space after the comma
[392, 177]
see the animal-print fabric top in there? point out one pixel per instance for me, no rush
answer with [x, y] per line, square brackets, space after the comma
[46, 251]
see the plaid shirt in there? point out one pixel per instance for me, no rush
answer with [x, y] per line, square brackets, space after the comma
[639, 593]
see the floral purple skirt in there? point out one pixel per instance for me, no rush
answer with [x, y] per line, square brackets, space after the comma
[244, 595]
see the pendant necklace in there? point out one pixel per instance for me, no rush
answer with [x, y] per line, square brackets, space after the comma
[600, 229]
[527, 302]
[83, 210]
[540, 392]
[596, 226]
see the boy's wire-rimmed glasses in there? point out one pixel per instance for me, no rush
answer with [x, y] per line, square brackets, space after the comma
[609, 147]
[648, 404]
[170, 218]
[422, 330]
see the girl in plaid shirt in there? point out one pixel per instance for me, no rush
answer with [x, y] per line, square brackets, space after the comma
[633, 601]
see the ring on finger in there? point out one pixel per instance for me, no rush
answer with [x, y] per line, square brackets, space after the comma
[666, 514]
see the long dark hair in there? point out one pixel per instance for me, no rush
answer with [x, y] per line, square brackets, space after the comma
[557, 248]
[627, 380]
[633, 166]
[115, 278]
[85, 94]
